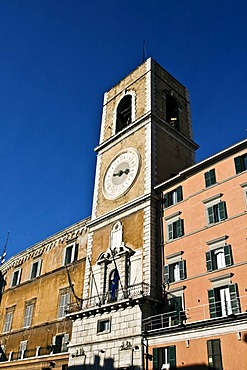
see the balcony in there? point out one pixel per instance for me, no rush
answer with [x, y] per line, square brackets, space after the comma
[30, 353]
[126, 295]
[197, 314]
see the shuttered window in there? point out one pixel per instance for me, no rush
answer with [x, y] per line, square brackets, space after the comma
[240, 163]
[164, 357]
[217, 213]
[210, 178]
[175, 229]
[214, 354]
[174, 272]
[8, 321]
[28, 315]
[219, 258]
[60, 343]
[63, 303]
[223, 301]
[173, 197]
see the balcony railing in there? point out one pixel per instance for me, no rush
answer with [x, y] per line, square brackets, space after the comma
[191, 315]
[128, 293]
[30, 353]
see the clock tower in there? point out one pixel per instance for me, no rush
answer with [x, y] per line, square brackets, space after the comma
[146, 138]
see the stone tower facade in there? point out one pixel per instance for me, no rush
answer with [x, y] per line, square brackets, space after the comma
[146, 138]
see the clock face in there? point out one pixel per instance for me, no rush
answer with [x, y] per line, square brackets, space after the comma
[121, 173]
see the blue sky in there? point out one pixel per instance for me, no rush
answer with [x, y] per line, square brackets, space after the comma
[58, 57]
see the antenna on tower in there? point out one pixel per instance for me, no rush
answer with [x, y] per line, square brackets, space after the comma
[3, 255]
[144, 51]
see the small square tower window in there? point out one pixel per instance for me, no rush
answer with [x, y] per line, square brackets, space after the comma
[103, 326]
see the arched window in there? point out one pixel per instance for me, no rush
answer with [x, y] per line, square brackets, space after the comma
[172, 111]
[113, 284]
[123, 113]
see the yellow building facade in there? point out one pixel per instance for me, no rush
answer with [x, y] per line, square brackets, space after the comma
[37, 286]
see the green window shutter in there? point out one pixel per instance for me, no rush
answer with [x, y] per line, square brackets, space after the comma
[214, 354]
[172, 357]
[222, 210]
[210, 211]
[210, 354]
[166, 274]
[76, 252]
[179, 228]
[212, 303]
[228, 255]
[212, 177]
[238, 164]
[209, 262]
[207, 179]
[182, 269]
[234, 298]
[155, 358]
[170, 231]
[179, 193]
[165, 200]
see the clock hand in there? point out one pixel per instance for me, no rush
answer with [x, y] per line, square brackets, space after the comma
[121, 172]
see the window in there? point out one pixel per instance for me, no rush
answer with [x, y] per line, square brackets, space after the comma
[35, 269]
[60, 343]
[219, 258]
[210, 178]
[173, 197]
[223, 301]
[244, 186]
[240, 163]
[3, 356]
[172, 112]
[214, 354]
[28, 314]
[70, 253]
[8, 320]
[16, 277]
[164, 358]
[175, 229]
[217, 213]
[103, 326]
[2, 285]
[22, 349]
[174, 272]
[113, 285]
[64, 300]
[124, 113]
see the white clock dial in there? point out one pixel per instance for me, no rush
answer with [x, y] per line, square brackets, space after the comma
[121, 173]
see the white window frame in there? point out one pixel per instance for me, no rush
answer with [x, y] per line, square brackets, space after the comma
[211, 202]
[170, 220]
[8, 321]
[28, 314]
[107, 327]
[64, 344]
[173, 261]
[22, 349]
[38, 262]
[64, 300]
[217, 246]
[18, 271]
[72, 259]
[244, 187]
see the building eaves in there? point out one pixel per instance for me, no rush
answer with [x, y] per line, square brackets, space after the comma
[203, 164]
